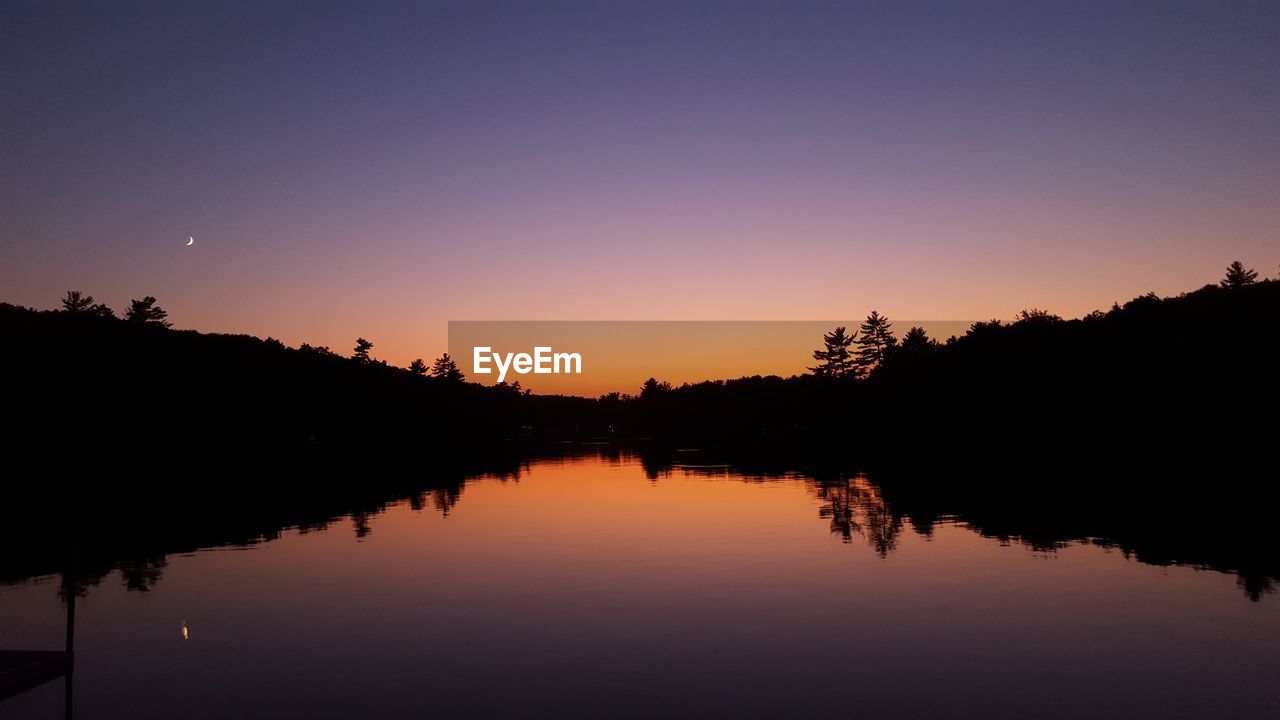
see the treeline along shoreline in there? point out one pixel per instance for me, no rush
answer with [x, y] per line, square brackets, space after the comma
[1152, 424]
[1186, 381]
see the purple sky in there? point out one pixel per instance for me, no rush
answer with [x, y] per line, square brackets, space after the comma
[373, 169]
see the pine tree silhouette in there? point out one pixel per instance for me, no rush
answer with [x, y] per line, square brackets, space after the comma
[361, 352]
[875, 343]
[145, 311]
[834, 360]
[75, 302]
[1238, 277]
[446, 369]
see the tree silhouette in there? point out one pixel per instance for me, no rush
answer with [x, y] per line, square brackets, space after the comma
[145, 311]
[1036, 315]
[317, 349]
[446, 369]
[834, 360]
[417, 367]
[361, 352]
[875, 343]
[1238, 276]
[916, 342]
[653, 388]
[75, 302]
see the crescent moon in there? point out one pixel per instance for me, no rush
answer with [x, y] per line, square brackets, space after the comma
[190, 241]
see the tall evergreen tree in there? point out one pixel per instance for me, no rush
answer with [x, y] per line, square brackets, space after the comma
[361, 352]
[834, 359]
[417, 367]
[1238, 276]
[875, 342]
[446, 369]
[145, 311]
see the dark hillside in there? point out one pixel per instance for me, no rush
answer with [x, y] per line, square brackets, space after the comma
[83, 390]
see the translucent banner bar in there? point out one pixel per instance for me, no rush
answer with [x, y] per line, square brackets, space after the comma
[590, 357]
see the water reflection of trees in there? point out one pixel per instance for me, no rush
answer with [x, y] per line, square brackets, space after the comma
[135, 536]
[1255, 586]
[1171, 531]
[142, 575]
[854, 506]
[132, 533]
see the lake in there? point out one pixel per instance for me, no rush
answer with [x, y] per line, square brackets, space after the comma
[595, 586]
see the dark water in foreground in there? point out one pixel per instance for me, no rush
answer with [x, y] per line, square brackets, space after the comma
[585, 589]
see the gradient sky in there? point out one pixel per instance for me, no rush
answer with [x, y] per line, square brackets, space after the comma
[378, 169]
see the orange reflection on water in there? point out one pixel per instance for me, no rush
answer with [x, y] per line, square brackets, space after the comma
[582, 583]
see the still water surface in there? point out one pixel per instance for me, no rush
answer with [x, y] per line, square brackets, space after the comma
[583, 588]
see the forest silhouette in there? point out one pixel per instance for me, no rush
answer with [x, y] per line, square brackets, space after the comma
[1185, 380]
[1150, 425]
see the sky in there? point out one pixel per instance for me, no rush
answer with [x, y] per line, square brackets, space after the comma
[378, 169]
